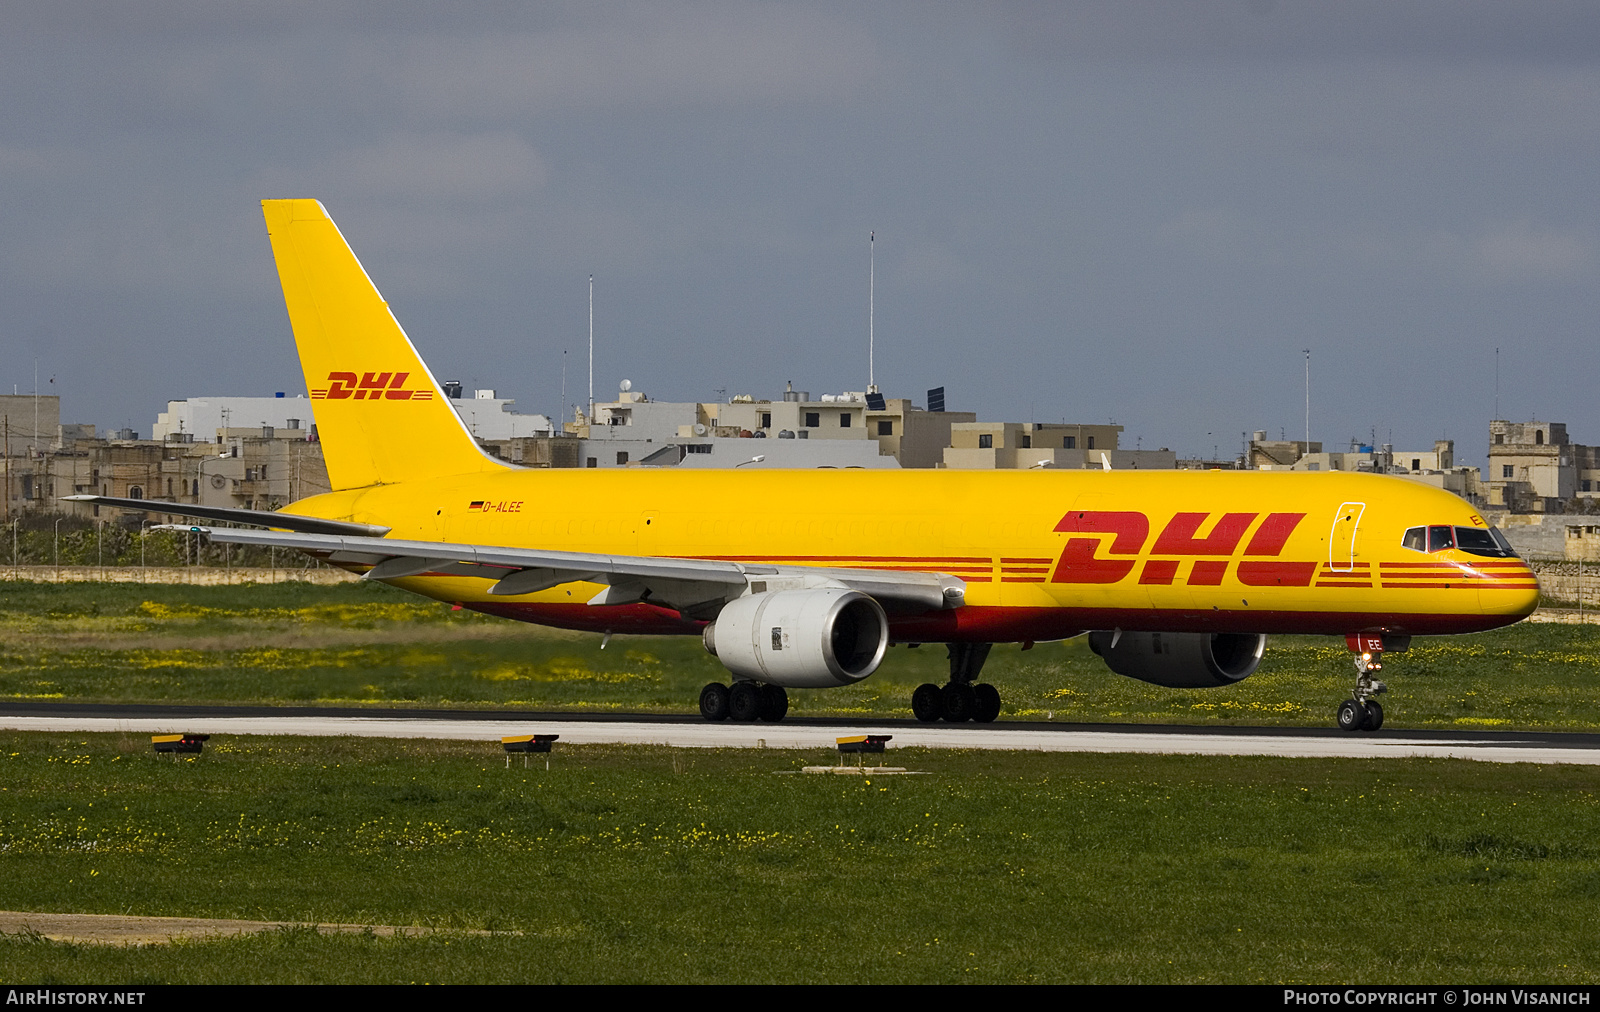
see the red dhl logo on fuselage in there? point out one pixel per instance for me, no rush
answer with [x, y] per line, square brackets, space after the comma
[370, 386]
[1129, 532]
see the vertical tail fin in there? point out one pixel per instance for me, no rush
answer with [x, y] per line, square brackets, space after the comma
[381, 415]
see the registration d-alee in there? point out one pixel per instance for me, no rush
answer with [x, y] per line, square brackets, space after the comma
[806, 578]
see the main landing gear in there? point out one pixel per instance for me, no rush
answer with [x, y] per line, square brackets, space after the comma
[959, 699]
[744, 703]
[1362, 712]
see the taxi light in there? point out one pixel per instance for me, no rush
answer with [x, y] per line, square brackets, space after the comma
[185, 744]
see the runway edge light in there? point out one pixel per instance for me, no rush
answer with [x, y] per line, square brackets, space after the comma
[525, 744]
[863, 743]
[187, 744]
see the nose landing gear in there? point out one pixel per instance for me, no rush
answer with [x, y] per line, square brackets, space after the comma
[1363, 712]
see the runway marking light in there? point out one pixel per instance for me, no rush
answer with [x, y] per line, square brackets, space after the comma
[175, 744]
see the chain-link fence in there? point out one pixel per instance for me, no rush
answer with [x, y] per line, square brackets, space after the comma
[74, 541]
[1568, 584]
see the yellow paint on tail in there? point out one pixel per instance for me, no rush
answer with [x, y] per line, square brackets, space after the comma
[381, 415]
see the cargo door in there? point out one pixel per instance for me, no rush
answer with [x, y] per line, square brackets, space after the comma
[1342, 539]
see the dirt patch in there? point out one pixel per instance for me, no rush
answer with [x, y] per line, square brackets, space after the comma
[118, 929]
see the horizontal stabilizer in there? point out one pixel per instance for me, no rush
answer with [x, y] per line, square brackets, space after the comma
[255, 518]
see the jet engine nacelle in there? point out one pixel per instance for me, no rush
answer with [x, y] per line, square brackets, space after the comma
[808, 639]
[1181, 660]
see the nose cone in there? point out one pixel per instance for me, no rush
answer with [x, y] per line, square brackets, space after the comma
[1511, 591]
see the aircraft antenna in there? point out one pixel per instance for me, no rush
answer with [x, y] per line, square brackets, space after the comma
[872, 302]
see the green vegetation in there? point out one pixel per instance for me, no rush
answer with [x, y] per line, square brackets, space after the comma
[640, 864]
[362, 643]
[40, 540]
[48, 539]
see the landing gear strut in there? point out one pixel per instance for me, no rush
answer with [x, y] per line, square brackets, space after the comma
[1363, 712]
[959, 699]
[744, 703]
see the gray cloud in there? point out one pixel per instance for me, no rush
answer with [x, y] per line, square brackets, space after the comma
[1304, 29]
[1083, 210]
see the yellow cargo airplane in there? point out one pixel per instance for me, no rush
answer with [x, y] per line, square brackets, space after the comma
[805, 578]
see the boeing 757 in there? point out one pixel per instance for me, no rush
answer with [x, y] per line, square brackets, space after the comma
[805, 578]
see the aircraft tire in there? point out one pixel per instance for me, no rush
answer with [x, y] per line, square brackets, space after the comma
[986, 703]
[1352, 716]
[714, 701]
[926, 704]
[959, 702]
[745, 702]
[1374, 716]
[774, 703]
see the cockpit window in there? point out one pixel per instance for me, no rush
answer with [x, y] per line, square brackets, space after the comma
[1478, 541]
[1505, 545]
[1473, 540]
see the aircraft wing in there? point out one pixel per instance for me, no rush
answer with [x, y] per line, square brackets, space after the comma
[691, 585]
[259, 518]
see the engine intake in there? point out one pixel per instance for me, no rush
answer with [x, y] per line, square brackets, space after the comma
[1181, 660]
[801, 638]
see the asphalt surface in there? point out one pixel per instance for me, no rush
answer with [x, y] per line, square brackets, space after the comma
[691, 731]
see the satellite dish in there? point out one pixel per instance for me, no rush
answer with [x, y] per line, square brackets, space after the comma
[627, 385]
[699, 429]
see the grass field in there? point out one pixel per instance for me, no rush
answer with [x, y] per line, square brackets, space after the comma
[361, 643]
[635, 864]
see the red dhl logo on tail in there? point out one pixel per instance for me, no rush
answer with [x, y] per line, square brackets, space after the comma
[370, 386]
[1129, 533]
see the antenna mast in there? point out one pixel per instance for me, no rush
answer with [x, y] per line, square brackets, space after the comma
[872, 303]
[591, 349]
[1308, 399]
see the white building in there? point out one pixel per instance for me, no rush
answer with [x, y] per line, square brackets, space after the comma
[490, 417]
[199, 419]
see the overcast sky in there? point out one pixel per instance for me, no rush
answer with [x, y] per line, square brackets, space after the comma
[1139, 211]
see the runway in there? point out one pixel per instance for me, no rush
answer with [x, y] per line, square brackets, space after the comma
[691, 732]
